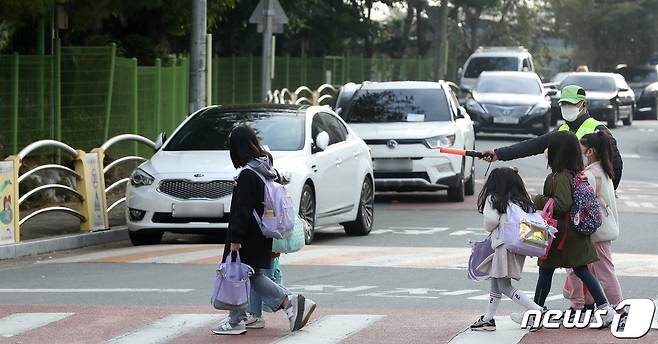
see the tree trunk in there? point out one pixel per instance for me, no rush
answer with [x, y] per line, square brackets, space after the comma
[442, 48]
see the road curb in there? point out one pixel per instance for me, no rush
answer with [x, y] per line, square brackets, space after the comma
[60, 243]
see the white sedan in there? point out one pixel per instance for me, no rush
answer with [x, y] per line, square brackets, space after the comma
[186, 186]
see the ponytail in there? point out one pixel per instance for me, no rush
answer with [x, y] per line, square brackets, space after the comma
[602, 144]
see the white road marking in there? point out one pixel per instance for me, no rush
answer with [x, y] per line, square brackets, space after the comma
[353, 289]
[460, 292]
[411, 293]
[94, 290]
[331, 329]
[648, 205]
[181, 258]
[469, 232]
[410, 230]
[166, 329]
[507, 331]
[123, 251]
[18, 323]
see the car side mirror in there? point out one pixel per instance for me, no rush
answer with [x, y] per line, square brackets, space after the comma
[623, 89]
[322, 141]
[159, 142]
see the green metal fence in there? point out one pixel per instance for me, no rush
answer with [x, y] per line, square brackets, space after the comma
[83, 95]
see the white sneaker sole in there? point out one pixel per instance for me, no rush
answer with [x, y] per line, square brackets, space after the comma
[229, 333]
[309, 308]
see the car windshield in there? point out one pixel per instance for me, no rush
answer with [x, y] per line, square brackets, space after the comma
[508, 84]
[639, 75]
[210, 131]
[477, 65]
[401, 105]
[591, 82]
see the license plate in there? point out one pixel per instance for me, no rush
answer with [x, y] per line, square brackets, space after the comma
[506, 120]
[394, 165]
[197, 209]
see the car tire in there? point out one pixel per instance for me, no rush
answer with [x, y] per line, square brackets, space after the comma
[307, 207]
[365, 216]
[456, 193]
[145, 238]
[629, 120]
[612, 122]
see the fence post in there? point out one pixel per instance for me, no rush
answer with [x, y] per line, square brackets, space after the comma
[110, 87]
[58, 93]
[135, 104]
[288, 71]
[251, 78]
[174, 94]
[233, 67]
[158, 96]
[302, 71]
[14, 102]
[41, 49]
[346, 68]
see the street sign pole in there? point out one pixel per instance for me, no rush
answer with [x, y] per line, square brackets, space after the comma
[267, 49]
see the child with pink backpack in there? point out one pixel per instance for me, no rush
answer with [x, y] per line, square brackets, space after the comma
[503, 191]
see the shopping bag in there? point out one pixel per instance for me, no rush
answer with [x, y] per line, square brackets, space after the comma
[480, 250]
[231, 287]
[293, 243]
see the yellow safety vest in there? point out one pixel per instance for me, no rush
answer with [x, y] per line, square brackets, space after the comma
[588, 127]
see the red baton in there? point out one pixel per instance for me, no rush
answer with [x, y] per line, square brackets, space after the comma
[461, 152]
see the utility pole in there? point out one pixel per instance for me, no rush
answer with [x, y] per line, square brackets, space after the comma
[198, 55]
[442, 49]
[270, 18]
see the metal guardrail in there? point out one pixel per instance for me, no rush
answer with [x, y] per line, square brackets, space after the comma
[303, 95]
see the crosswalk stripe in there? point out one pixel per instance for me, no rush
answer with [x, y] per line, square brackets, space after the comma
[181, 258]
[331, 329]
[92, 290]
[166, 329]
[18, 323]
[460, 292]
[507, 331]
[121, 252]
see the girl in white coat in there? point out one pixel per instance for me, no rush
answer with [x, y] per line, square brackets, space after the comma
[504, 185]
[598, 161]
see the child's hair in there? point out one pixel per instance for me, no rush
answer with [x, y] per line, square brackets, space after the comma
[602, 145]
[244, 146]
[504, 185]
[564, 153]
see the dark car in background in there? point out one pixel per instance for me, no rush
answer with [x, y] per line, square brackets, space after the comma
[509, 102]
[609, 98]
[644, 82]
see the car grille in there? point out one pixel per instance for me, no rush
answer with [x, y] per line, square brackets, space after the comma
[513, 111]
[185, 189]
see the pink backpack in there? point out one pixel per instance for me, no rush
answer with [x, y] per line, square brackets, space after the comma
[526, 234]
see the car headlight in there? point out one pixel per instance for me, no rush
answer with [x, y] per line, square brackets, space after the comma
[599, 103]
[140, 178]
[473, 105]
[440, 141]
[537, 110]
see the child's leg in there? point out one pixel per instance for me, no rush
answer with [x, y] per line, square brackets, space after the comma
[543, 285]
[592, 284]
[505, 287]
[577, 294]
[494, 300]
[604, 271]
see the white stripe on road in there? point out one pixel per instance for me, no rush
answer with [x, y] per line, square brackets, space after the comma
[166, 329]
[94, 290]
[22, 322]
[331, 329]
[181, 258]
[460, 292]
[125, 251]
[507, 331]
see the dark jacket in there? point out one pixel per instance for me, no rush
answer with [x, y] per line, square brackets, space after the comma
[248, 195]
[578, 249]
[538, 144]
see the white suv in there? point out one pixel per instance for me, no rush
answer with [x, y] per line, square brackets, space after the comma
[404, 124]
[516, 59]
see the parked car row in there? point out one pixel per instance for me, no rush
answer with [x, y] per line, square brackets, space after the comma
[187, 185]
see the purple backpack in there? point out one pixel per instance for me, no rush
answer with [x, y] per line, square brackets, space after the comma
[585, 211]
[480, 250]
[278, 219]
[231, 289]
[526, 234]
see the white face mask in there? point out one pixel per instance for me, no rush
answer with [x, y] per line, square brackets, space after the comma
[569, 112]
[585, 160]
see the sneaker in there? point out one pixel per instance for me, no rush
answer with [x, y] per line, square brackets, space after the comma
[299, 312]
[254, 322]
[225, 328]
[481, 325]
[609, 315]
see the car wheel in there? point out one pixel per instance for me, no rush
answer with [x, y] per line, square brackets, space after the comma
[307, 212]
[612, 122]
[147, 238]
[629, 119]
[365, 216]
[469, 188]
[456, 193]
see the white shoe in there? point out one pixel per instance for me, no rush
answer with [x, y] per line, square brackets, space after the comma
[609, 315]
[225, 328]
[253, 322]
[299, 312]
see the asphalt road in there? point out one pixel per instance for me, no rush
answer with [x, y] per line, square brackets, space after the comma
[406, 281]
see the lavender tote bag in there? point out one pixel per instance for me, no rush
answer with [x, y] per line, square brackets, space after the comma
[231, 289]
[480, 250]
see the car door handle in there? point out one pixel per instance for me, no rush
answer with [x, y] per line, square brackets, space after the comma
[356, 155]
[338, 162]
[314, 168]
